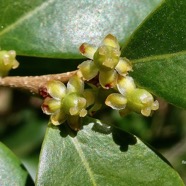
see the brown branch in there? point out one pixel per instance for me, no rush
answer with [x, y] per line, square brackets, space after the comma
[32, 83]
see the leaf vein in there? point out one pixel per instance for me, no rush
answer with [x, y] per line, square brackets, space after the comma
[158, 57]
[26, 17]
[84, 160]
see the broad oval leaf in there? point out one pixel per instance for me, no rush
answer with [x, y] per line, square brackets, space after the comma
[12, 171]
[56, 28]
[158, 52]
[100, 155]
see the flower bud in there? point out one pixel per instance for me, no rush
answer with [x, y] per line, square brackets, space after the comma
[125, 84]
[124, 66]
[64, 103]
[7, 61]
[73, 104]
[141, 101]
[88, 70]
[116, 101]
[87, 50]
[106, 57]
[112, 41]
[108, 79]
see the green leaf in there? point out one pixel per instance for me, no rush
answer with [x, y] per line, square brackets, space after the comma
[56, 28]
[158, 52]
[100, 155]
[28, 136]
[164, 76]
[31, 164]
[12, 171]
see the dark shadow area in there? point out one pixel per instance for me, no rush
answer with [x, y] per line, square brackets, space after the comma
[29, 181]
[102, 128]
[65, 130]
[120, 137]
[30, 66]
[123, 139]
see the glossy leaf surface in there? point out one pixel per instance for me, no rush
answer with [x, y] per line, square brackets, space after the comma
[158, 52]
[12, 171]
[55, 28]
[100, 155]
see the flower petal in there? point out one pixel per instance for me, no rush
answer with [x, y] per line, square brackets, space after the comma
[155, 105]
[58, 118]
[88, 70]
[116, 101]
[83, 113]
[123, 66]
[79, 107]
[87, 50]
[89, 95]
[75, 84]
[12, 55]
[50, 105]
[108, 79]
[56, 89]
[81, 102]
[15, 64]
[146, 98]
[125, 84]
[112, 41]
[106, 57]
[146, 111]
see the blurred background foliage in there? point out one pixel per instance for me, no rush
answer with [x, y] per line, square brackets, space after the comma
[22, 123]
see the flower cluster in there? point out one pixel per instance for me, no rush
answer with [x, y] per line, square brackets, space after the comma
[112, 71]
[7, 62]
[107, 74]
[66, 102]
[131, 98]
[105, 62]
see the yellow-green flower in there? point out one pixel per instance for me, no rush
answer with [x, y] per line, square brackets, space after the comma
[131, 98]
[141, 101]
[7, 61]
[105, 62]
[99, 95]
[65, 103]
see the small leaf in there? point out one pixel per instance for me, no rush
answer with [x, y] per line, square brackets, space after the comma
[158, 52]
[56, 28]
[12, 171]
[100, 155]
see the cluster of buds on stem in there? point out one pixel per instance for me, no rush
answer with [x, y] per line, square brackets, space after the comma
[66, 103]
[105, 61]
[113, 73]
[107, 74]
